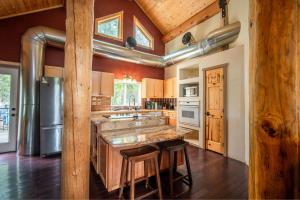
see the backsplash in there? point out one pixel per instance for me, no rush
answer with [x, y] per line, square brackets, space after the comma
[162, 103]
[100, 103]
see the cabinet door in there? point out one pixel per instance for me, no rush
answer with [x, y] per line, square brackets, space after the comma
[167, 88]
[52, 71]
[158, 88]
[96, 79]
[174, 88]
[107, 84]
[148, 86]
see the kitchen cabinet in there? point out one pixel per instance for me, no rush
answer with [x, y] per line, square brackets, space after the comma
[102, 84]
[172, 114]
[107, 160]
[53, 71]
[170, 88]
[152, 88]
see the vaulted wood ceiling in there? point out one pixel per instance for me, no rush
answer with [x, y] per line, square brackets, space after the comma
[171, 17]
[10, 8]
[169, 14]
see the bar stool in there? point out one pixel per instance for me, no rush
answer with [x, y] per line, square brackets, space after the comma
[146, 154]
[173, 147]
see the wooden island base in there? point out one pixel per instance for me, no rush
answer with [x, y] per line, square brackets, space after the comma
[107, 162]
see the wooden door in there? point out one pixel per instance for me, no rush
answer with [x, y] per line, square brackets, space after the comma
[96, 79]
[107, 84]
[214, 110]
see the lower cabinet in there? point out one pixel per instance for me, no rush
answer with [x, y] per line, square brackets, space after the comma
[107, 162]
[172, 116]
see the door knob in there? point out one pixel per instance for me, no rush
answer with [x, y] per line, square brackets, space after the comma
[207, 113]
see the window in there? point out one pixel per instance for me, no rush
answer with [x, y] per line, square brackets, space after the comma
[124, 92]
[110, 26]
[141, 35]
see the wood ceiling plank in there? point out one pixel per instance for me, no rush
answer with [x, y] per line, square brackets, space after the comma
[12, 8]
[201, 16]
[169, 14]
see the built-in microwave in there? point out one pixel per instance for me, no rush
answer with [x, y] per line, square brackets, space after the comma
[189, 113]
[191, 91]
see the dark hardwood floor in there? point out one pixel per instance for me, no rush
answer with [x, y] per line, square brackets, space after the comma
[214, 177]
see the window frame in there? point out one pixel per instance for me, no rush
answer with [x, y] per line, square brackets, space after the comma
[137, 23]
[119, 16]
[138, 101]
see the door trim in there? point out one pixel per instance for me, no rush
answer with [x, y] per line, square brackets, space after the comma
[12, 68]
[224, 66]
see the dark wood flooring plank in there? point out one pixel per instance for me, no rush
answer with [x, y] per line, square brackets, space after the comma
[214, 176]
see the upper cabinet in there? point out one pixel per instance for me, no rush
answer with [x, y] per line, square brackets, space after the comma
[53, 71]
[170, 88]
[102, 84]
[152, 88]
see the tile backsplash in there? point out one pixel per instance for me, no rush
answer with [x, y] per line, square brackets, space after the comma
[162, 102]
[101, 103]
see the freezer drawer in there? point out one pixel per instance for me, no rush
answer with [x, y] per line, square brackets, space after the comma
[51, 140]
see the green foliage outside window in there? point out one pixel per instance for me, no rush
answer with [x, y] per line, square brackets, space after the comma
[110, 28]
[124, 93]
[5, 81]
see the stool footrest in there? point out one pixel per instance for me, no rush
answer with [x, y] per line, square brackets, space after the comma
[147, 194]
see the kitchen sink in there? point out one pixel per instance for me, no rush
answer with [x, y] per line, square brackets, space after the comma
[123, 116]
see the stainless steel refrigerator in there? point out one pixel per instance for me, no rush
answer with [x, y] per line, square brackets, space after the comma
[51, 115]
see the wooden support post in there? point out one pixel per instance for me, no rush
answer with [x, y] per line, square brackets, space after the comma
[275, 99]
[77, 106]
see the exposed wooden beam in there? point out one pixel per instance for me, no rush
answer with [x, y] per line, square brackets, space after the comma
[77, 98]
[201, 16]
[275, 99]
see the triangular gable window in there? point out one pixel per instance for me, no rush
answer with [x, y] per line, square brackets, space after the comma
[110, 26]
[142, 36]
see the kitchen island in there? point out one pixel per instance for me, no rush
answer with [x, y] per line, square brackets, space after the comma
[109, 137]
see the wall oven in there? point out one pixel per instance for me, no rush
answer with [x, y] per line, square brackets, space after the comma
[189, 113]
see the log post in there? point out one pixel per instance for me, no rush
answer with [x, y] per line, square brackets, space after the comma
[274, 99]
[77, 99]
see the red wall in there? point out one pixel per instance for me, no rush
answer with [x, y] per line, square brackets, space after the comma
[11, 31]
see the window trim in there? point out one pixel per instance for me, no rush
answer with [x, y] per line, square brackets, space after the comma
[137, 23]
[118, 15]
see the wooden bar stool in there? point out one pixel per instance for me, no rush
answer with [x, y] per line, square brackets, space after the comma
[146, 154]
[173, 147]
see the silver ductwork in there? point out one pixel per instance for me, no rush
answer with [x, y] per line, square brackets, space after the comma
[34, 43]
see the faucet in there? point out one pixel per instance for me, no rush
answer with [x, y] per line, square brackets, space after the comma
[132, 96]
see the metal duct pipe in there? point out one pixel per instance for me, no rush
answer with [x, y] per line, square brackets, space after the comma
[34, 42]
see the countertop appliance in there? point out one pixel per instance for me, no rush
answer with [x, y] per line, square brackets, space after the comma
[51, 115]
[189, 113]
[191, 91]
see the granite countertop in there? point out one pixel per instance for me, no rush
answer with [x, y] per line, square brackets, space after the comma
[100, 118]
[126, 111]
[141, 136]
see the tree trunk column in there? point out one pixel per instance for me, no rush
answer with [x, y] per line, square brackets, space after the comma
[274, 99]
[77, 100]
